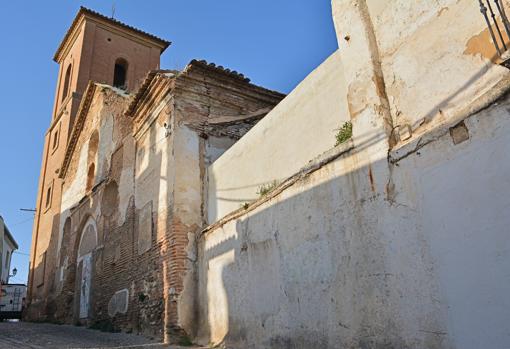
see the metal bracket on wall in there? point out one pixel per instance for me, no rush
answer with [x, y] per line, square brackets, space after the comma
[500, 38]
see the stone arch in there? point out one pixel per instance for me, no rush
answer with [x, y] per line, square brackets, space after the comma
[91, 175]
[88, 239]
[93, 146]
[85, 255]
[91, 159]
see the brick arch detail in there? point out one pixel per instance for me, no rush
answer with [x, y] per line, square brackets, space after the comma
[89, 222]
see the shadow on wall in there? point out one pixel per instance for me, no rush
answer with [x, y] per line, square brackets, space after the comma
[154, 274]
[331, 262]
[149, 295]
[363, 142]
[436, 111]
[43, 280]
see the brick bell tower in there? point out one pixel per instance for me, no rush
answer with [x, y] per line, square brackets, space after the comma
[95, 48]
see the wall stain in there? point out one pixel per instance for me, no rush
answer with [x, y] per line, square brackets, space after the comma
[371, 177]
[481, 44]
[441, 11]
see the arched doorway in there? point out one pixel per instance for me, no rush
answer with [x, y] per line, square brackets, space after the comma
[88, 243]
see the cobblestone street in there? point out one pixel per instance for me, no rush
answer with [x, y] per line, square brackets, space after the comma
[20, 335]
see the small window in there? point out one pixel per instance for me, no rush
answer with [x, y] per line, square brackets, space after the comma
[40, 270]
[90, 176]
[120, 73]
[67, 82]
[48, 196]
[7, 259]
[54, 143]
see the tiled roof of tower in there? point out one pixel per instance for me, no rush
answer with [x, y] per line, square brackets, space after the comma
[85, 11]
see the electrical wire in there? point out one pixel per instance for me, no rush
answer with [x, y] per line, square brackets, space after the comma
[22, 222]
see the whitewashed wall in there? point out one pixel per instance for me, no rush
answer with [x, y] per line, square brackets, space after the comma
[281, 143]
[394, 244]
[436, 56]
[333, 262]
[7, 247]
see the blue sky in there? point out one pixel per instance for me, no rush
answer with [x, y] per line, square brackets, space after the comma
[276, 43]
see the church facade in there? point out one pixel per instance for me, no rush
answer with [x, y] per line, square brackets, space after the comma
[366, 209]
[121, 188]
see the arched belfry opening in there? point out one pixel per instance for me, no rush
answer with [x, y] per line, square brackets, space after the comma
[120, 74]
[67, 82]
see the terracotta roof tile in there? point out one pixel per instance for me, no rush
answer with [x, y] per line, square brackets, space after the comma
[143, 89]
[86, 11]
[218, 68]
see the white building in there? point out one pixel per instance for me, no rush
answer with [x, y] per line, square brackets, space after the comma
[7, 246]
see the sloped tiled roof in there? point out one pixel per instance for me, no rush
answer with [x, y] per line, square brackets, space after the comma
[143, 90]
[231, 74]
[194, 64]
[85, 11]
[219, 69]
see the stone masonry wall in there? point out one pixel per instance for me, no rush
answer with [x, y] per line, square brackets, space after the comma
[172, 146]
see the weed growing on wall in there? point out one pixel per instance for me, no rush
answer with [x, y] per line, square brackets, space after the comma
[267, 188]
[142, 297]
[344, 133]
[185, 342]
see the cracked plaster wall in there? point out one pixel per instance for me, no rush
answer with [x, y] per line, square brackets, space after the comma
[436, 56]
[392, 244]
[282, 142]
[333, 261]
[107, 204]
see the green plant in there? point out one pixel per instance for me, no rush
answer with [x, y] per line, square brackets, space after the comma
[344, 133]
[142, 297]
[267, 188]
[103, 326]
[185, 342]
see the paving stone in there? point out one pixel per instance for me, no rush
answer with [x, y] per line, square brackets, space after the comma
[17, 335]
